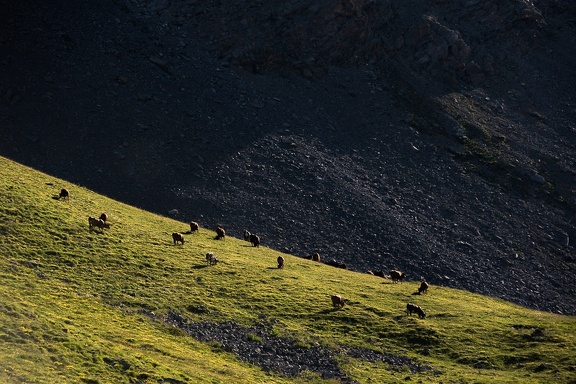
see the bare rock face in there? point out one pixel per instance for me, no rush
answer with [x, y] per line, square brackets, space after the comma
[433, 137]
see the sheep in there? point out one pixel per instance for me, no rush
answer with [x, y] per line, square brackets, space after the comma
[178, 237]
[397, 276]
[423, 287]
[64, 194]
[410, 308]
[337, 301]
[94, 222]
[316, 257]
[104, 217]
[280, 262]
[220, 233]
[247, 235]
[194, 227]
[255, 240]
[211, 259]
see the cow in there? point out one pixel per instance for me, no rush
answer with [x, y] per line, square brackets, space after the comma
[220, 233]
[423, 287]
[413, 308]
[255, 240]
[211, 259]
[397, 276]
[178, 237]
[99, 223]
[64, 194]
[194, 227]
[337, 301]
[247, 235]
[280, 262]
[316, 257]
[104, 217]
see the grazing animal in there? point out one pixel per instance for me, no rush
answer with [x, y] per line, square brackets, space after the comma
[397, 276]
[336, 264]
[194, 226]
[99, 223]
[255, 240]
[423, 287]
[104, 217]
[413, 308]
[280, 262]
[211, 259]
[316, 257]
[247, 235]
[178, 237]
[337, 301]
[64, 194]
[379, 273]
[220, 233]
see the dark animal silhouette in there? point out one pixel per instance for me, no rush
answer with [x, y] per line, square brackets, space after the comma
[337, 301]
[98, 223]
[413, 308]
[378, 273]
[220, 233]
[423, 287]
[336, 264]
[64, 194]
[397, 276]
[178, 237]
[255, 240]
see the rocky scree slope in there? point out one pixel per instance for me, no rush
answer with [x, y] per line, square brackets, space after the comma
[437, 138]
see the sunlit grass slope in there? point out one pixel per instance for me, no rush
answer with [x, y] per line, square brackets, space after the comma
[85, 306]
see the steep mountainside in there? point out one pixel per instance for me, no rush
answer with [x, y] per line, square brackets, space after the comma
[434, 137]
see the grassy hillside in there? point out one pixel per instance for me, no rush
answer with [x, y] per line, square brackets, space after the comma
[85, 306]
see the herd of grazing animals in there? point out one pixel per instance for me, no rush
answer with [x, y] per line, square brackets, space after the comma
[337, 300]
